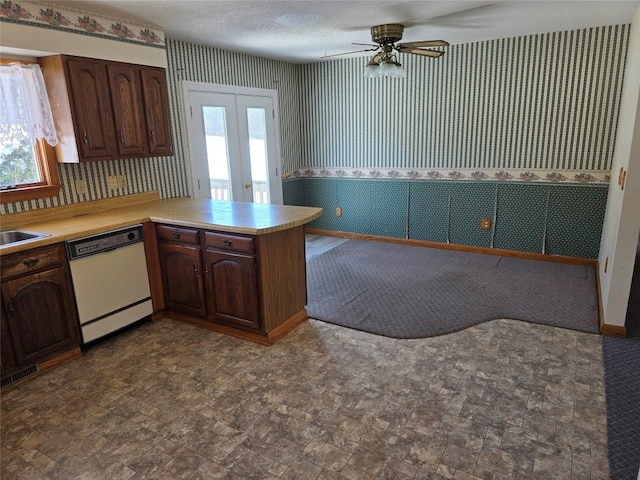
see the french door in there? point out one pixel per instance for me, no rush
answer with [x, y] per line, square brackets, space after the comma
[233, 143]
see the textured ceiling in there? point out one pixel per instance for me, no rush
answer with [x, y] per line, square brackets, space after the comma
[303, 31]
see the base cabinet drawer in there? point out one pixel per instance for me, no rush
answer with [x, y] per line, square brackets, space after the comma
[229, 242]
[180, 235]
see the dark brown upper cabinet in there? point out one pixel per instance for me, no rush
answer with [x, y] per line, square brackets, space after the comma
[156, 102]
[124, 86]
[92, 107]
[105, 110]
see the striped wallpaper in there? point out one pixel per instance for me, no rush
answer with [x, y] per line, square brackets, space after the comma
[198, 63]
[537, 102]
[545, 102]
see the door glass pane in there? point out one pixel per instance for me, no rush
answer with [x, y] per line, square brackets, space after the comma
[258, 154]
[215, 128]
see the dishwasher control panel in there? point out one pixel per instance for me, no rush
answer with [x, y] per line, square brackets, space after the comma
[103, 242]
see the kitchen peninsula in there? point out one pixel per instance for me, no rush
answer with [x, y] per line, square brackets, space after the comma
[237, 268]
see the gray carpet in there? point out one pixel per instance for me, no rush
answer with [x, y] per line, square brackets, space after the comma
[404, 291]
[621, 358]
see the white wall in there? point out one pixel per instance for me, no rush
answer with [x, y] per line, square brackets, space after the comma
[622, 218]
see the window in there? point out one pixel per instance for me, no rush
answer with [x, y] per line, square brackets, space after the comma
[27, 161]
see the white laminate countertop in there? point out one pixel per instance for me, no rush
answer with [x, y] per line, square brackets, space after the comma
[69, 222]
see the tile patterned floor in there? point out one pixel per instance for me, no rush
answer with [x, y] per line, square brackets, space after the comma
[502, 400]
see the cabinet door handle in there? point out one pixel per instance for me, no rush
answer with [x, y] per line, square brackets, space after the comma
[153, 136]
[11, 309]
[85, 137]
[31, 262]
[195, 271]
[176, 234]
[122, 137]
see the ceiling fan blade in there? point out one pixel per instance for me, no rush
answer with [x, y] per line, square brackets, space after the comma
[426, 43]
[426, 53]
[348, 53]
[366, 44]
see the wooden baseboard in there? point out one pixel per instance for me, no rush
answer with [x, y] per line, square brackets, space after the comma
[47, 365]
[267, 339]
[605, 329]
[599, 298]
[613, 330]
[464, 248]
[57, 360]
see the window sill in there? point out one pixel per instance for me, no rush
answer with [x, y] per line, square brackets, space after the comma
[29, 193]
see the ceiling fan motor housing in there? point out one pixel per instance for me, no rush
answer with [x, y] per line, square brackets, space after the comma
[388, 33]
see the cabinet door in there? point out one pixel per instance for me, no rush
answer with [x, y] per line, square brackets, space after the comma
[156, 102]
[232, 288]
[7, 356]
[93, 118]
[126, 99]
[41, 317]
[182, 278]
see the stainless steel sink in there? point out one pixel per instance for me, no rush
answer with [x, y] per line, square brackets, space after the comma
[10, 237]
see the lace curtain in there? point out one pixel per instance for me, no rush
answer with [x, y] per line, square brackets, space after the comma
[25, 113]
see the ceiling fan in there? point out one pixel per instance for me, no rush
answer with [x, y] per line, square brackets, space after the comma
[385, 62]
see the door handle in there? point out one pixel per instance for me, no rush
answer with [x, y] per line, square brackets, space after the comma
[248, 185]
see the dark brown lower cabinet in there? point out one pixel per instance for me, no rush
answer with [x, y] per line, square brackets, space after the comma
[39, 319]
[252, 286]
[232, 289]
[182, 277]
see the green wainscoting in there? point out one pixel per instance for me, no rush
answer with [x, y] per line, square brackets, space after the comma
[575, 220]
[522, 213]
[557, 219]
[470, 203]
[429, 211]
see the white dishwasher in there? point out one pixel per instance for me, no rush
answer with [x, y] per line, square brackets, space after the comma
[110, 280]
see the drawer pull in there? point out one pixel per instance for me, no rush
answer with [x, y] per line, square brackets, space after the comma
[31, 262]
[176, 234]
[227, 243]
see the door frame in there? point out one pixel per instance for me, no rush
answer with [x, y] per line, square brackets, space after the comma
[189, 87]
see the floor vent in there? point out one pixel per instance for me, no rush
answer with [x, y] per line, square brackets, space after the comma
[14, 377]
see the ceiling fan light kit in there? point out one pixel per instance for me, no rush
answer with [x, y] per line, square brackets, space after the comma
[385, 63]
[386, 68]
